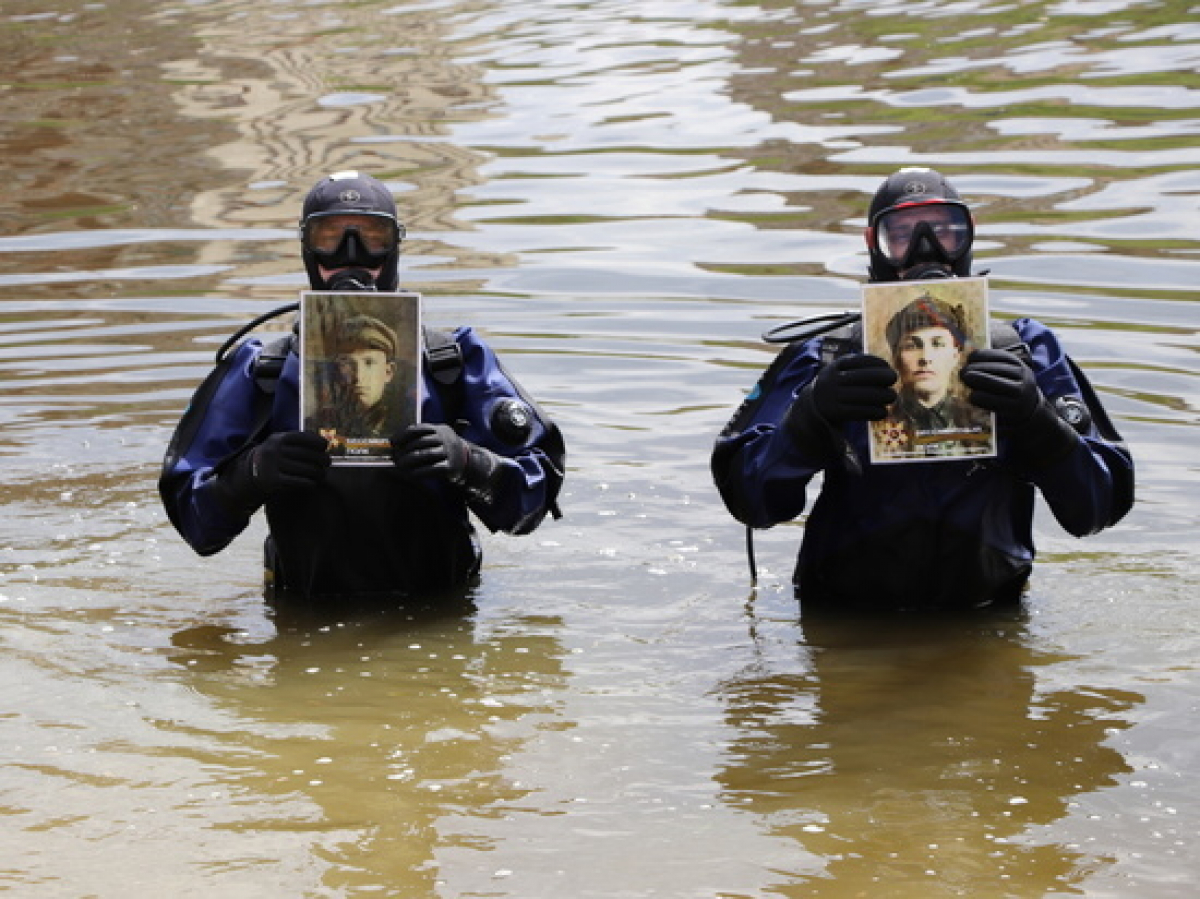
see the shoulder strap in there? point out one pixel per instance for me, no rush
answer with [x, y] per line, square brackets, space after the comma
[1004, 336]
[840, 341]
[444, 357]
[269, 364]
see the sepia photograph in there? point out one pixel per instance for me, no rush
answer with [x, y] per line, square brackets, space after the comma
[360, 355]
[926, 330]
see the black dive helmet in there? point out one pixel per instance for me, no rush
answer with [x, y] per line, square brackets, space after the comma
[926, 255]
[345, 193]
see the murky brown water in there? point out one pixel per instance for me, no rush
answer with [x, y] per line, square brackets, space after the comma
[623, 196]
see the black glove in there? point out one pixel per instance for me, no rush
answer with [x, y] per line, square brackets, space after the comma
[850, 388]
[290, 460]
[427, 450]
[1002, 383]
[854, 388]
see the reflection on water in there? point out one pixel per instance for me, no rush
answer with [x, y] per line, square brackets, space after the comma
[380, 738]
[623, 196]
[912, 757]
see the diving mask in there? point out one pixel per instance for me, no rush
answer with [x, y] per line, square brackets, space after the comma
[340, 239]
[934, 231]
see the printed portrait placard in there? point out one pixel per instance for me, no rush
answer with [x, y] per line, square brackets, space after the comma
[926, 330]
[360, 359]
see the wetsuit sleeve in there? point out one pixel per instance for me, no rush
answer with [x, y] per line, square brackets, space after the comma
[1091, 487]
[215, 427]
[531, 466]
[757, 467]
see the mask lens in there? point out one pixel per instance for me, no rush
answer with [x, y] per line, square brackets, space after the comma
[378, 234]
[948, 223]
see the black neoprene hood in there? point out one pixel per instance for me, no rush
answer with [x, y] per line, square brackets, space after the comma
[909, 185]
[350, 192]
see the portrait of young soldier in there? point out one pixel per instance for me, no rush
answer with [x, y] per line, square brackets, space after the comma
[398, 532]
[360, 373]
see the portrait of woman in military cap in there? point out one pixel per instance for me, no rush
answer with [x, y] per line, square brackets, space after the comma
[926, 330]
